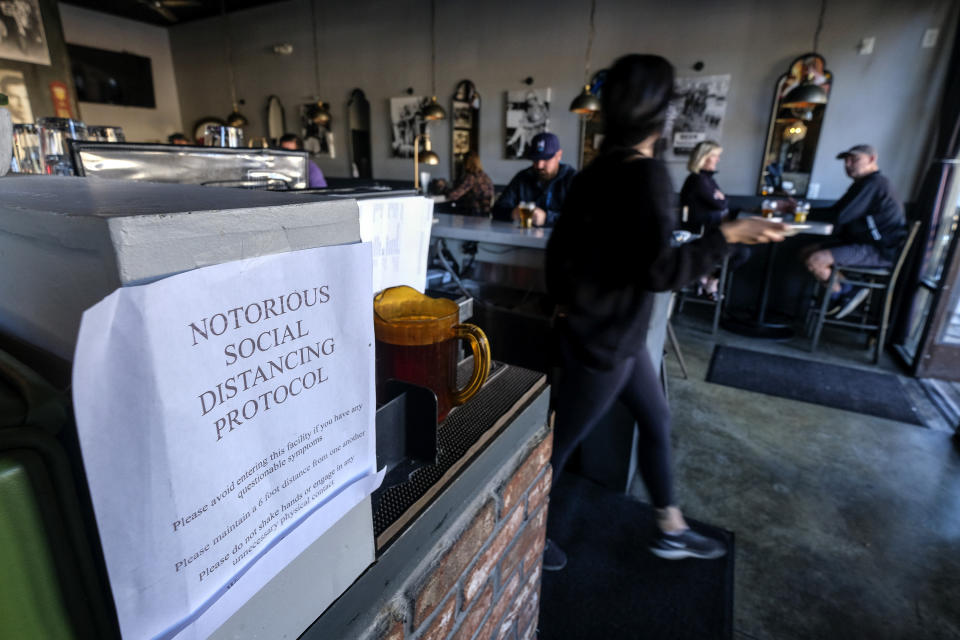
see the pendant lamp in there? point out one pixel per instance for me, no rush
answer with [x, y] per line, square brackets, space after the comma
[235, 119]
[804, 94]
[586, 103]
[433, 111]
[318, 113]
[808, 92]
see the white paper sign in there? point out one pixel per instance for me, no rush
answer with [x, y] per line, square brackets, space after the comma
[218, 411]
[399, 230]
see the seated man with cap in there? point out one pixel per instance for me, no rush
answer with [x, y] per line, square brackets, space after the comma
[545, 183]
[869, 227]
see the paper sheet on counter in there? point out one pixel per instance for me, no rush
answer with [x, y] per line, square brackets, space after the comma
[399, 230]
[226, 420]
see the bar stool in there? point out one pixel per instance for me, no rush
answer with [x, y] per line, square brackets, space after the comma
[689, 294]
[873, 315]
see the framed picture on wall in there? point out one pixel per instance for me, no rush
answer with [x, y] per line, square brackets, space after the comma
[527, 114]
[21, 32]
[407, 122]
[695, 114]
[13, 86]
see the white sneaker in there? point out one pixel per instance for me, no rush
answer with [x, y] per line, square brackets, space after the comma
[852, 301]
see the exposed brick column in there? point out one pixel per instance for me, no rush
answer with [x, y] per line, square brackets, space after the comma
[486, 584]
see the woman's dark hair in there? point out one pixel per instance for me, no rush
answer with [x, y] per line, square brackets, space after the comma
[635, 96]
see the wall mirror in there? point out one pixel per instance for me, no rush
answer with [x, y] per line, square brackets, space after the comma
[591, 126]
[799, 104]
[358, 119]
[466, 125]
[276, 119]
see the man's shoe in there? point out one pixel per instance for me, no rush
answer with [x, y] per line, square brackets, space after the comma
[851, 302]
[836, 303]
[554, 558]
[686, 544]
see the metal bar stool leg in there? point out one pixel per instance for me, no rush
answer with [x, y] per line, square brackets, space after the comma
[721, 295]
[818, 326]
[676, 348]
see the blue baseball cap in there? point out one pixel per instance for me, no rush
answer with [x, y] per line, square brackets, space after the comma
[543, 146]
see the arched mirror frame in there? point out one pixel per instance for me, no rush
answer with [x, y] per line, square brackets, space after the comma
[465, 129]
[358, 122]
[276, 119]
[803, 124]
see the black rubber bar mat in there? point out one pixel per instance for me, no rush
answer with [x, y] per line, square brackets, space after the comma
[868, 392]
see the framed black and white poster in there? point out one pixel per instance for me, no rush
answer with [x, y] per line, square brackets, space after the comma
[406, 119]
[21, 32]
[527, 114]
[695, 114]
[13, 86]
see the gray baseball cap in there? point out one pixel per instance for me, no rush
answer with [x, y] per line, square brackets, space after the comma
[865, 149]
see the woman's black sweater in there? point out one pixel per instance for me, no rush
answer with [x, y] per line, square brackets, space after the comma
[611, 249]
[704, 209]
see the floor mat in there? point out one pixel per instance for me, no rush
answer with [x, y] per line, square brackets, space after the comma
[613, 587]
[869, 392]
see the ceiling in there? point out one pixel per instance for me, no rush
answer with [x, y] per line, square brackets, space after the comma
[181, 10]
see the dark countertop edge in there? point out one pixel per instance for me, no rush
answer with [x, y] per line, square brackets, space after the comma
[364, 601]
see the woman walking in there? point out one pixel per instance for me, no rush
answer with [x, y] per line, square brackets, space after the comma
[610, 250]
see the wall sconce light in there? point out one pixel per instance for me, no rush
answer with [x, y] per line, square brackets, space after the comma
[283, 49]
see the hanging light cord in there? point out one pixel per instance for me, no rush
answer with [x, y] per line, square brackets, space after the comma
[586, 65]
[229, 49]
[316, 60]
[433, 47]
[816, 34]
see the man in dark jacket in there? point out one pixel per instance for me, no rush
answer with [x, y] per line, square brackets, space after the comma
[869, 226]
[545, 184]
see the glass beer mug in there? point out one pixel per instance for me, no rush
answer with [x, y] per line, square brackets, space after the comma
[417, 342]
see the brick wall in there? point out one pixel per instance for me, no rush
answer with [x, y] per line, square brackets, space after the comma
[484, 584]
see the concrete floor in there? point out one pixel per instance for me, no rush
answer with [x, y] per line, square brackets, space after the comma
[848, 526]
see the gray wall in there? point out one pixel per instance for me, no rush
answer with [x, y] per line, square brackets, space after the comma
[383, 46]
[102, 31]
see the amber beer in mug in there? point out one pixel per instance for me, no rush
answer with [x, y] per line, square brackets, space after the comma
[417, 342]
[526, 214]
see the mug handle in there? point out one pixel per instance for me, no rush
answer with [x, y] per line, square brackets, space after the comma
[480, 347]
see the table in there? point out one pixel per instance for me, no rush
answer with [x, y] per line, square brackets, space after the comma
[760, 326]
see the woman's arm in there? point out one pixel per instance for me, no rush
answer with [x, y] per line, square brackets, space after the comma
[466, 184]
[703, 208]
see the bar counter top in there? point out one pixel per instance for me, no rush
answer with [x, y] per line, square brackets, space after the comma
[480, 229]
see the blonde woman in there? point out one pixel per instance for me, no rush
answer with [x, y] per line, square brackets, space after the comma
[707, 205]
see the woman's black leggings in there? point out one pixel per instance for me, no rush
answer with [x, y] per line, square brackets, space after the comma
[585, 394]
